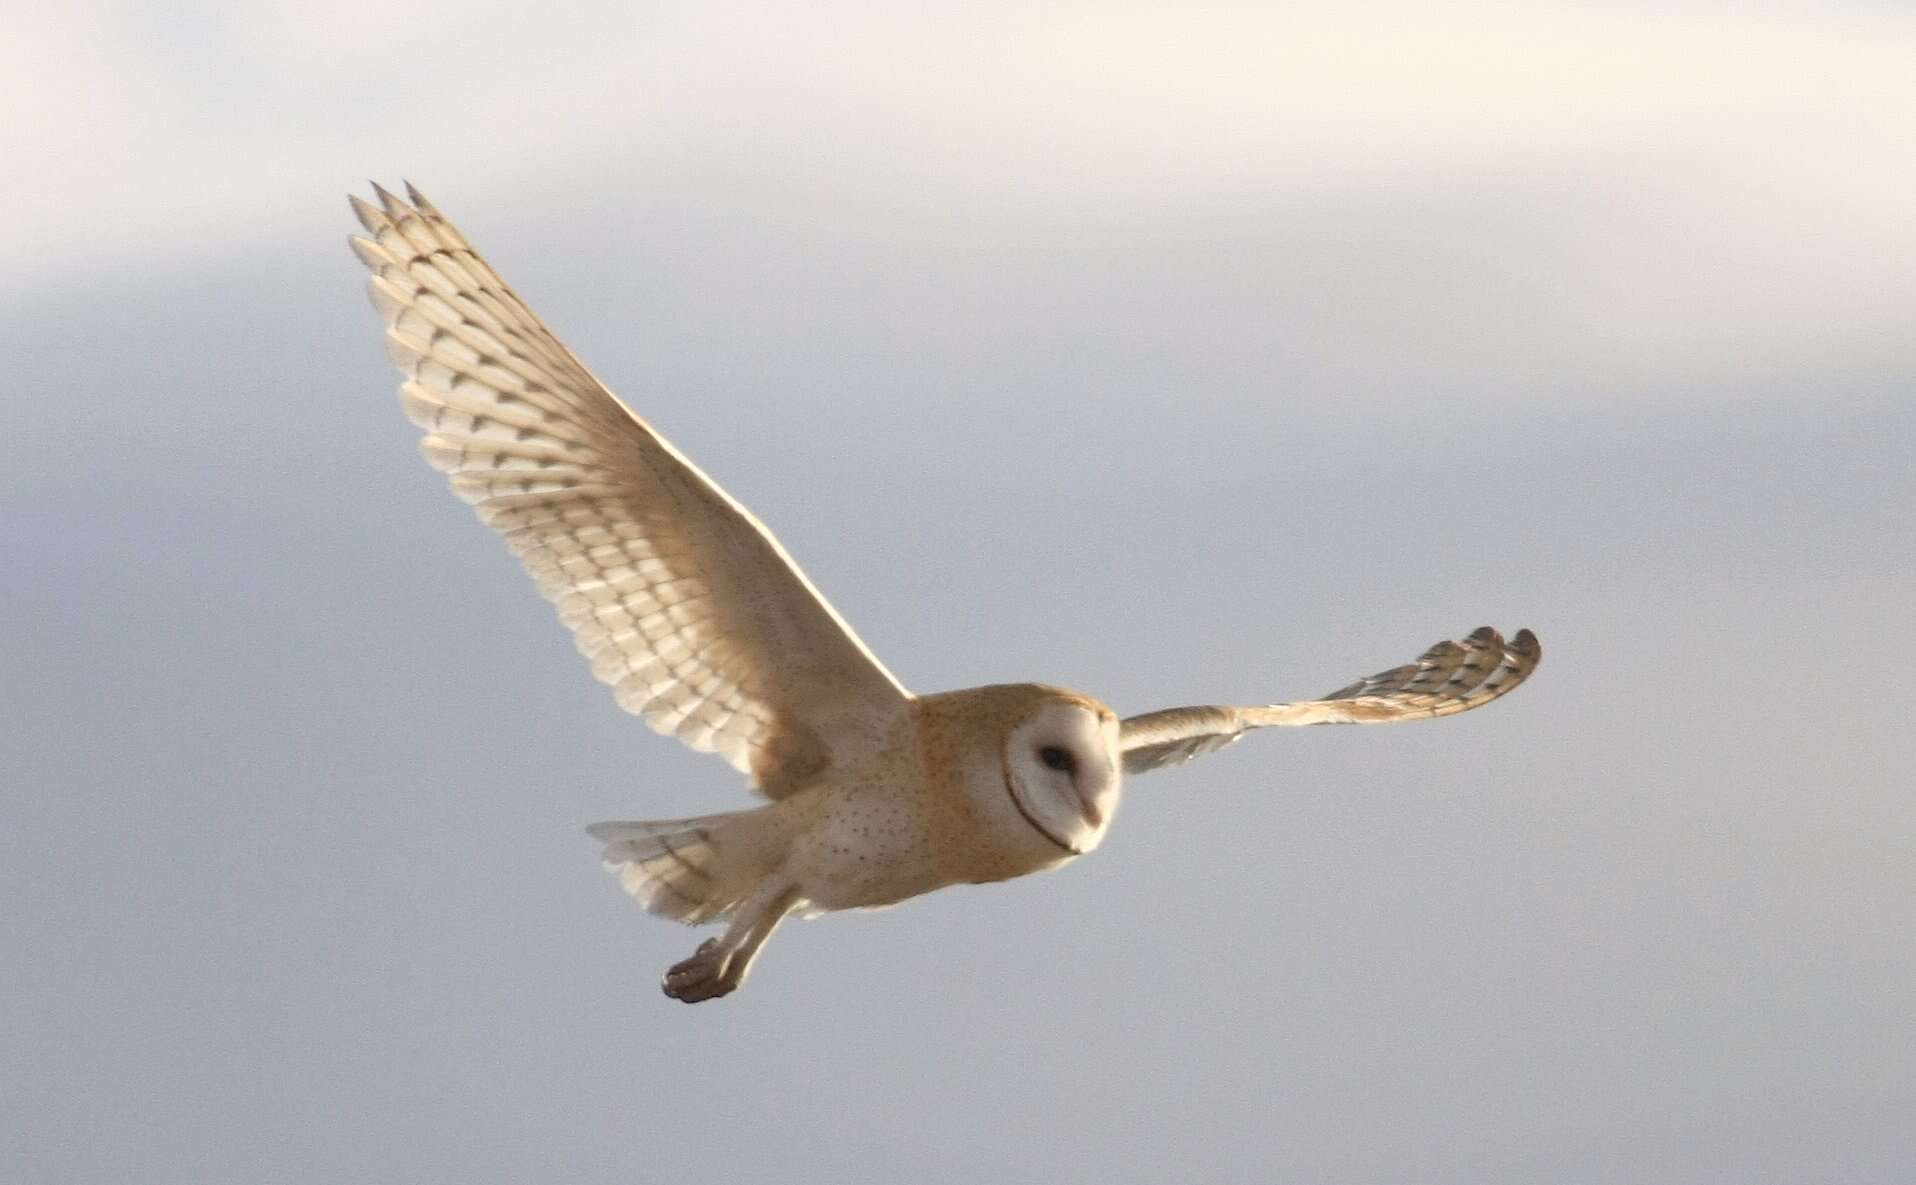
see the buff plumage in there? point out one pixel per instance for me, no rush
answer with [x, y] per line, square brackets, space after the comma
[690, 610]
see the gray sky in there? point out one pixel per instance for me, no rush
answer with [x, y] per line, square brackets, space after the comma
[1174, 357]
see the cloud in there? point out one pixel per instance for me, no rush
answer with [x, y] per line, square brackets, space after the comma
[1642, 191]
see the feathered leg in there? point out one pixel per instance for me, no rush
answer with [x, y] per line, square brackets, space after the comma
[720, 964]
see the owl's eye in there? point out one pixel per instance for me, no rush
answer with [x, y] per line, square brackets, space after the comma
[1058, 759]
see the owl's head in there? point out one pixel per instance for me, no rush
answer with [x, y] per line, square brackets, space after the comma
[1062, 769]
[1037, 770]
[1059, 766]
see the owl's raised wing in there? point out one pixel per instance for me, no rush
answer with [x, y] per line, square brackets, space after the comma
[1448, 678]
[683, 602]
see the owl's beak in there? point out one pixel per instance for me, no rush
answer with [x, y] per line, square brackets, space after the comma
[1092, 814]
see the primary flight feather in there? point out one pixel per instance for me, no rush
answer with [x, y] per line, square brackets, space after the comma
[690, 610]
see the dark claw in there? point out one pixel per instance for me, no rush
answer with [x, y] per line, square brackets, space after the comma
[704, 976]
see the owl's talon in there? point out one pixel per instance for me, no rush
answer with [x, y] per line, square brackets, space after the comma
[707, 975]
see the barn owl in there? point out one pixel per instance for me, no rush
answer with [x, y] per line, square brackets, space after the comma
[693, 613]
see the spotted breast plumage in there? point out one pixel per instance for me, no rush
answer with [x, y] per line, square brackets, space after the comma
[702, 625]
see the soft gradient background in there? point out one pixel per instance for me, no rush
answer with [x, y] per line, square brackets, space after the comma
[1177, 356]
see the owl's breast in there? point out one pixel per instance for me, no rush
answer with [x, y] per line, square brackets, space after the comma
[865, 844]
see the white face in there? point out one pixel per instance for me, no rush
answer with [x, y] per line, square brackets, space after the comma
[1061, 771]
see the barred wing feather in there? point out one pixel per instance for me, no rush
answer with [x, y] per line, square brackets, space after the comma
[681, 600]
[1448, 678]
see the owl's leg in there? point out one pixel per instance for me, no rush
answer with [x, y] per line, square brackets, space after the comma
[720, 964]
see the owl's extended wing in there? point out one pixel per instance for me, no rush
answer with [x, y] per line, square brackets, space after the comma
[1448, 678]
[683, 602]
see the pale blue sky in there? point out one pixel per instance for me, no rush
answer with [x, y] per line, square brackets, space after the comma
[1176, 358]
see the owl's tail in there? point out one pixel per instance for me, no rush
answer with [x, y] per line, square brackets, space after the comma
[692, 870]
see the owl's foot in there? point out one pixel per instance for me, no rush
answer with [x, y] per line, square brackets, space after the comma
[719, 965]
[707, 975]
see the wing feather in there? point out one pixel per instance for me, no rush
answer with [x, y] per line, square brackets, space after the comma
[677, 597]
[1448, 678]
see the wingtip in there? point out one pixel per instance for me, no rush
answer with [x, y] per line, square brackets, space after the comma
[419, 199]
[1522, 644]
[369, 215]
[368, 252]
[395, 209]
